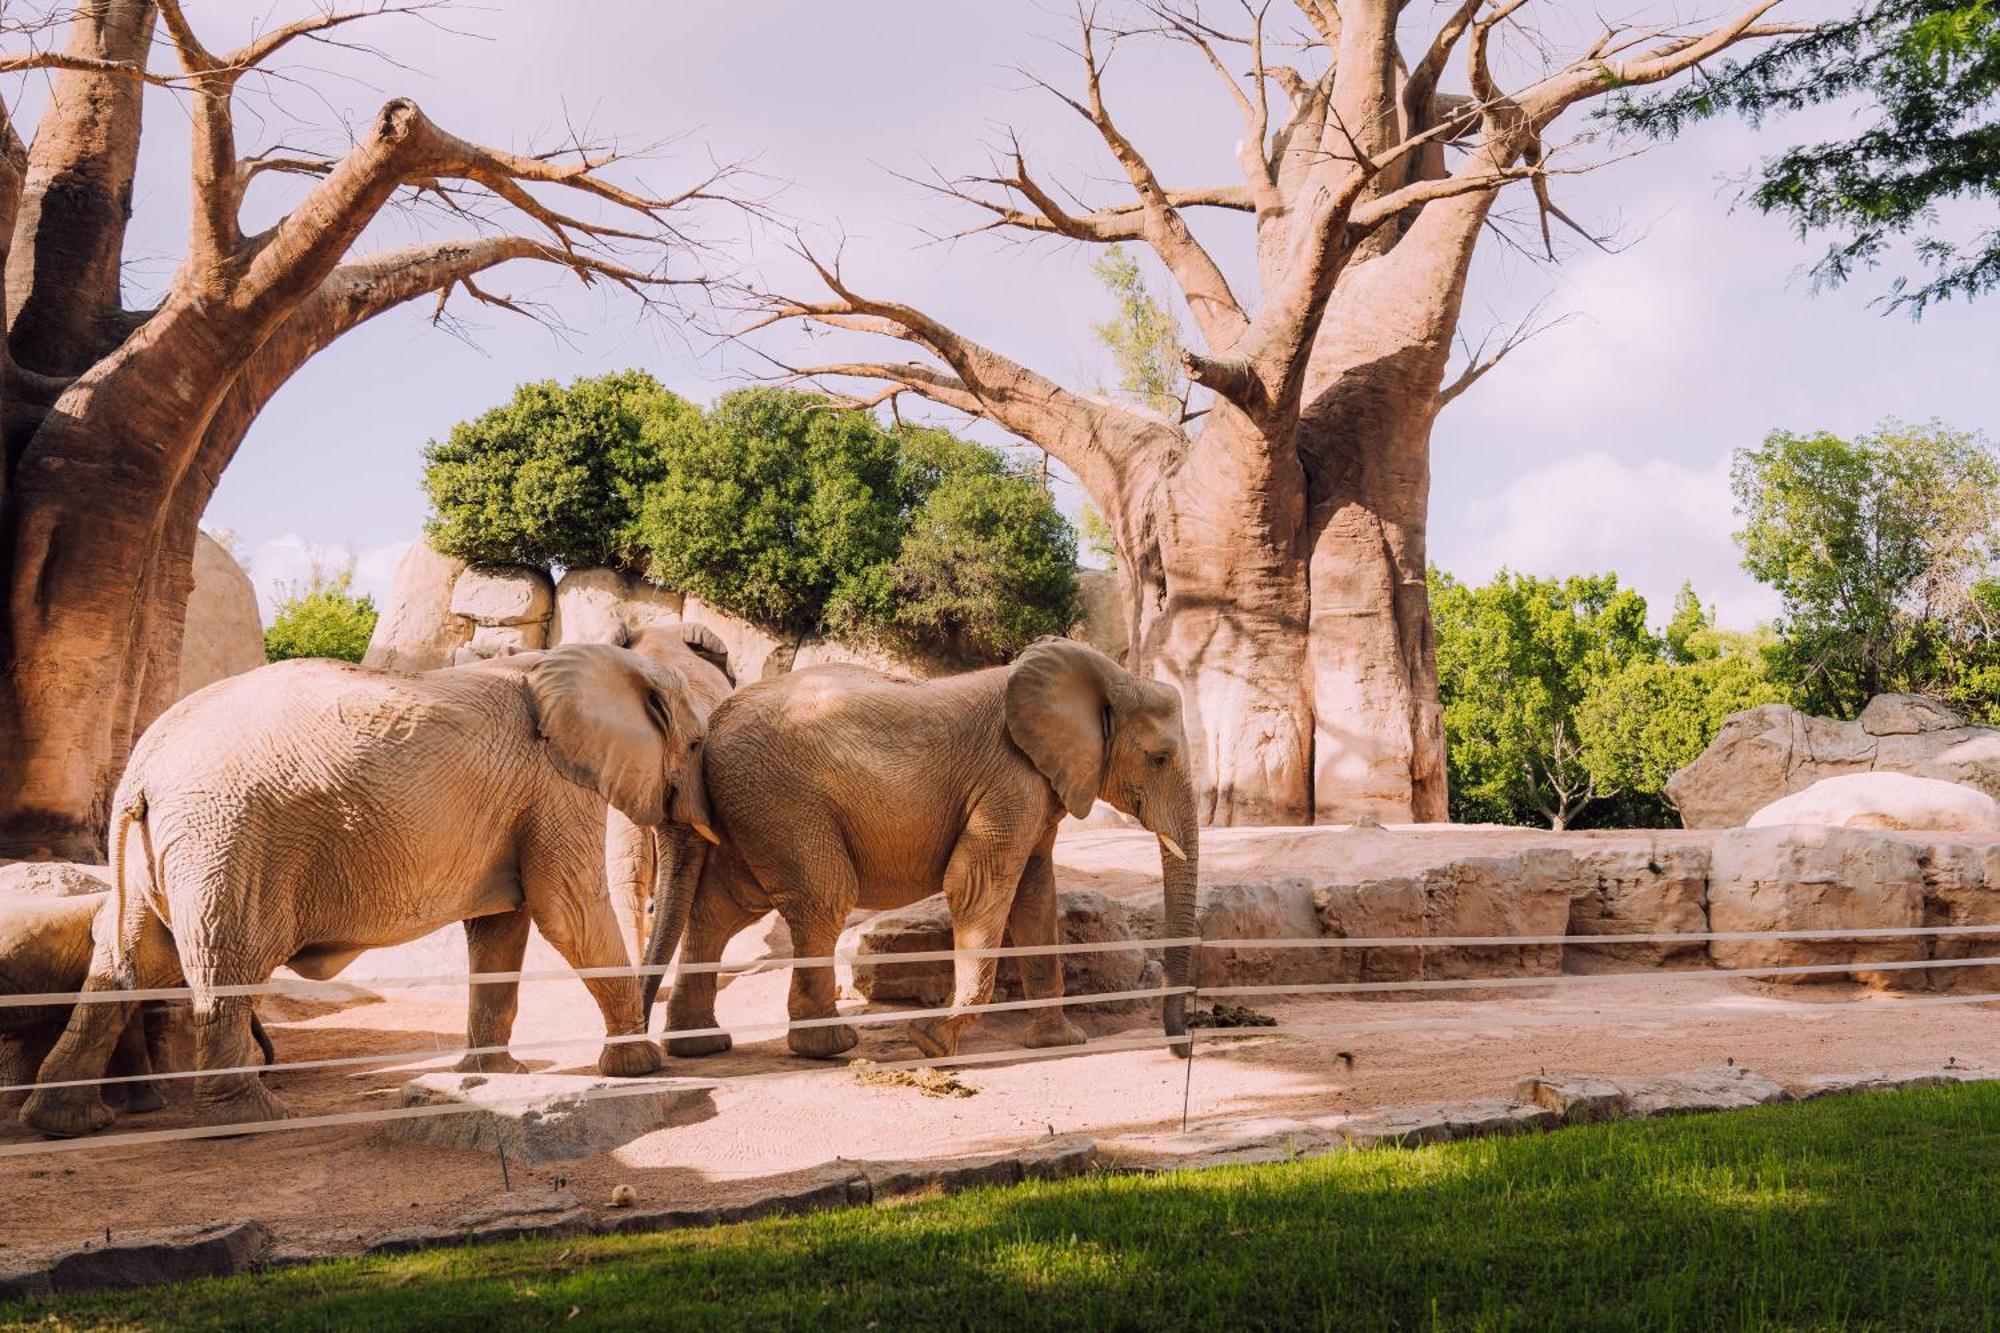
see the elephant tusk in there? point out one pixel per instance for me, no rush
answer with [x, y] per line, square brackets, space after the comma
[709, 833]
[1172, 846]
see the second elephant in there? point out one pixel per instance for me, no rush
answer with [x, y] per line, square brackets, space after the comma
[839, 787]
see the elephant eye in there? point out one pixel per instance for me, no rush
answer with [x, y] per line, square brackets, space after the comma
[1158, 760]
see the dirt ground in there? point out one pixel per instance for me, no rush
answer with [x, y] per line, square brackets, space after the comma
[334, 1185]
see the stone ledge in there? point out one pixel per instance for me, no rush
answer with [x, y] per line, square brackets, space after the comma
[145, 1259]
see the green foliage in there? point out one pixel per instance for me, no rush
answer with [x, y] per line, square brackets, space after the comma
[1866, 1212]
[1927, 73]
[778, 508]
[1097, 536]
[1143, 339]
[556, 476]
[986, 565]
[1515, 660]
[1647, 719]
[1879, 549]
[321, 618]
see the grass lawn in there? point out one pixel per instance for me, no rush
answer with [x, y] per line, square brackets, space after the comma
[1878, 1211]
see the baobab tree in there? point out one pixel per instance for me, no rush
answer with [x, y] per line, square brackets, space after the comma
[118, 422]
[1271, 544]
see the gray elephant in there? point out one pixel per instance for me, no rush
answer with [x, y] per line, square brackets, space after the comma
[636, 858]
[308, 811]
[839, 787]
[47, 937]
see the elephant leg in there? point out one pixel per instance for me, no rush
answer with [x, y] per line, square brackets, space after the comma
[574, 914]
[815, 931]
[978, 886]
[1034, 921]
[719, 911]
[130, 1057]
[21, 1054]
[493, 944]
[84, 1050]
[223, 1039]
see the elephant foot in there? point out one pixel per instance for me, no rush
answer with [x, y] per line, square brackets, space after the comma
[1054, 1028]
[628, 1059]
[824, 1042]
[66, 1113]
[237, 1100]
[935, 1037]
[135, 1098]
[495, 1062]
[693, 1048]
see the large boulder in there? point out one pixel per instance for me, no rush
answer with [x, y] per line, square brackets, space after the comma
[52, 879]
[606, 606]
[224, 633]
[1658, 888]
[1769, 752]
[1805, 877]
[503, 595]
[754, 653]
[1103, 623]
[416, 630]
[1885, 801]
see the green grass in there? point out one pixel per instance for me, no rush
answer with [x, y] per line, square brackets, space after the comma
[1877, 1211]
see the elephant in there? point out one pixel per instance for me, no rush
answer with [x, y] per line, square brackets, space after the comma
[305, 812]
[635, 858]
[839, 787]
[46, 942]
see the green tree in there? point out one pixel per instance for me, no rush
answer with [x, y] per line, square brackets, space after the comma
[986, 565]
[777, 506]
[1643, 721]
[555, 477]
[1516, 659]
[1143, 338]
[1097, 536]
[321, 617]
[1690, 633]
[1878, 549]
[1927, 73]
[785, 509]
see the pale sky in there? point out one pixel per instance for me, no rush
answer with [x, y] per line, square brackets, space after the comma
[1602, 445]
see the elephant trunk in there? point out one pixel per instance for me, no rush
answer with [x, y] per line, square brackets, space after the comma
[688, 805]
[677, 862]
[1180, 870]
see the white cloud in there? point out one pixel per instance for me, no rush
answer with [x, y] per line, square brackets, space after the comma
[279, 563]
[1656, 524]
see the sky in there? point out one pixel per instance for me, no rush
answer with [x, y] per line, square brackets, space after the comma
[1603, 444]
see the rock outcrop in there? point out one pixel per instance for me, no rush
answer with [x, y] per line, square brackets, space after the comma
[416, 630]
[1885, 801]
[606, 606]
[1766, 753]
[224, 632]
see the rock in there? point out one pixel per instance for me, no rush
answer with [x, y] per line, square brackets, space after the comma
[606, 606]
[546, 1117]
[1769, 752]
[923, 927]
[502, 595]
[416, 630]
[1906, 715]
[834, 1187]
[1247, 1142]
[53, 879]
[1656, 890]
[529, 1213]
[1806, 877]
[224, 632]
[1884, 801]
[499, 640]
[1961, 888]
[148, 1258]
[1527, 893]
[1103, 623]
[1588, 1098]
[1869, 1080]
[753, 653]
[1443, 1122]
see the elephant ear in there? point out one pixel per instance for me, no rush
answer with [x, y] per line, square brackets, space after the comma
[607, 717]
[1058, 702]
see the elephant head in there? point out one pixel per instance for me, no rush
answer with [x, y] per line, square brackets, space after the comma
[1096, 732]
[624, 727]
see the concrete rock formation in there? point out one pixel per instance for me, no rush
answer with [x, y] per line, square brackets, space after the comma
[606, 606]
[1885, 801]
[224, 633]
[1772, 751]
[416, 630]
[546, 1117]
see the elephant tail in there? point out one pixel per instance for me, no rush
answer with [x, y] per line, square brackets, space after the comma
[133, 812]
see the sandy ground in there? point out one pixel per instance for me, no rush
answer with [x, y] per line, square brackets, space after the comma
[338, 1184]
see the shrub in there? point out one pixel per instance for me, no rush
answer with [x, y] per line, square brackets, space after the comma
[556, 476]
[321, 618]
